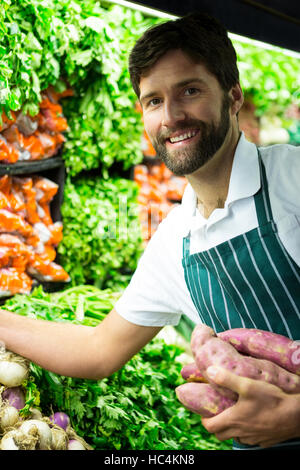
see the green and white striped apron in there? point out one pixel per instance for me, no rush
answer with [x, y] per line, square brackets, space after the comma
[249, 281]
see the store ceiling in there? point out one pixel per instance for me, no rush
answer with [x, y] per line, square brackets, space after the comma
[275, 22]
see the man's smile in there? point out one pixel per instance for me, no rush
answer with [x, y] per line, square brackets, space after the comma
[182, 137]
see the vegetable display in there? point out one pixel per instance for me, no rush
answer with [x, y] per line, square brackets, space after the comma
[102, 239]
[233, 350]
[136, 407]
[36, 434]
[64, 86]
[28, 235]
[82, 45]
[269, 77]
[80, 304]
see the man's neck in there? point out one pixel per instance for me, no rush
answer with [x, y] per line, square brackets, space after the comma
[211, 182]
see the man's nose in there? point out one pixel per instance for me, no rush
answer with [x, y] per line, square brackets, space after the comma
[172, 114]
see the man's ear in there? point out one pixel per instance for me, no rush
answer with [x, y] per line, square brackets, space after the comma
[237, 98]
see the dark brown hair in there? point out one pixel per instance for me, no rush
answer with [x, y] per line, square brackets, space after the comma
[200, 36]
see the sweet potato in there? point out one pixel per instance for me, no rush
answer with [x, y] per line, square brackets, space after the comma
[265, 345]
[209, 349]
[191, 373]
[203, 399]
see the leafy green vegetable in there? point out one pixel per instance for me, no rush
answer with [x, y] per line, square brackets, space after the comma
[83, 304]
[104, 124]
[269, 77]
[102, 239]
[85, 46]
[135, 408]
[32, 396]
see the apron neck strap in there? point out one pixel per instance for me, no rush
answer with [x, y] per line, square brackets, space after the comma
[186, 244]
[261, 198]
[262, 204]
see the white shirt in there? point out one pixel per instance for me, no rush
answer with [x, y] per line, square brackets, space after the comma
[157, 294]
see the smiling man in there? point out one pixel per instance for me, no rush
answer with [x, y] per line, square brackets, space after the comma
[227, 257]
[187, 118]
[192, 122]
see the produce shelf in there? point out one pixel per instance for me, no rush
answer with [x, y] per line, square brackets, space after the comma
[29, 167]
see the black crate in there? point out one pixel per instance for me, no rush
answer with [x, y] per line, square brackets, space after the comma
[52, 168]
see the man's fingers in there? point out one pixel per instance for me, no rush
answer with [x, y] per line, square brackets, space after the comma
[228, 379]
[243, 386]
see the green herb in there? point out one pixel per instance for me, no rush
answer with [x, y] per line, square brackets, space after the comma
[32, 396]
[269, 77]
[81, 304]
[102, 239]
[104, 126]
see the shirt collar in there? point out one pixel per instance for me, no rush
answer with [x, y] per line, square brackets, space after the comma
[244, 179]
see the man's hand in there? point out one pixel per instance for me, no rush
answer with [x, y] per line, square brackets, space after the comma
[264, 415]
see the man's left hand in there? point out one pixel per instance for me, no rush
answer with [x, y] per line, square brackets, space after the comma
[264, 415]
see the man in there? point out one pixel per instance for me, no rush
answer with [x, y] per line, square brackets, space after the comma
[228, 256]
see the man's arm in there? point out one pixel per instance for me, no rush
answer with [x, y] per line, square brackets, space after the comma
[75, 350]
[264, 415]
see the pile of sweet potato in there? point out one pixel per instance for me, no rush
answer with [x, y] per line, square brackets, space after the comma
[28, 234]
[251, 353]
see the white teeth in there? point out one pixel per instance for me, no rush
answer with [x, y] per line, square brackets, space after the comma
[187, 135]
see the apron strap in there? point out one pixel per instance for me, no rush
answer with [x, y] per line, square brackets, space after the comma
[261, 198]
[262, 205]
[186, 244]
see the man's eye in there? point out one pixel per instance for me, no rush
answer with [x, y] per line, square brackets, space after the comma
[154, 102]
[190, 91]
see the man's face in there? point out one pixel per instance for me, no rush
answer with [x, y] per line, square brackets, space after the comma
[185, 111]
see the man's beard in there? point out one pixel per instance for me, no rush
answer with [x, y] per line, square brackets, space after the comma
[184, 162]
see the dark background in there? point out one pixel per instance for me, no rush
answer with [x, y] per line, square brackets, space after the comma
[275, 22]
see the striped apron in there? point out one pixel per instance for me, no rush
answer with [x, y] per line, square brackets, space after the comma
[249, 281]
